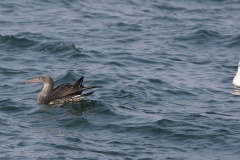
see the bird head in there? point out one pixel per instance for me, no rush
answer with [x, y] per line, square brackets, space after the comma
[42, 79]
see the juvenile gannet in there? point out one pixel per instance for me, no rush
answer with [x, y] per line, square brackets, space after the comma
[62, 93]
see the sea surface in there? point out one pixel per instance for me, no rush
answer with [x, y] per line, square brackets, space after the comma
[166, 68]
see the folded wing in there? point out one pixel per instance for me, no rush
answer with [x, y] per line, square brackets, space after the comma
[62, 91]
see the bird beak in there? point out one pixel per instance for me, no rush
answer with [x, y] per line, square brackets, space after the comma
[35, 80]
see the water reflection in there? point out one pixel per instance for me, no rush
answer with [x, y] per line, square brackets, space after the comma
[74, 108]
[237, 91]
[77, 110]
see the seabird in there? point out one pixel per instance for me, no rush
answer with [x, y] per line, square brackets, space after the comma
[62, 93]
[236, 80]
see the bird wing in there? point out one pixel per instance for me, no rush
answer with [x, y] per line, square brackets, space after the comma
[62, 91]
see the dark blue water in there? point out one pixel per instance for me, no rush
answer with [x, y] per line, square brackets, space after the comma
[166, 68]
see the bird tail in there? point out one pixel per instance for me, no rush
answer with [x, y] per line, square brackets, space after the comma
[83, 96]
[79, 92]
[87, 94]
[84, 88]
[78, 83]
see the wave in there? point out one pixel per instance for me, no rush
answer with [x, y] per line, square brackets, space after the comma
[9, 105]
[8, 71]
[199, 34]
[58, 47]
[203, 36]
[28, 40]
[232, 42]
[63, 51]
[10, 41]
[168, 6]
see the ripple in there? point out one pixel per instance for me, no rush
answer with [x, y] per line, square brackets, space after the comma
[9, 105]
[58, 47]
[72, 123]
[127, 27]
[126, 40]
[183, 93]
[233, 42]
[9, 71]
[165, 122]
[10, 41]
[156, 81]
[118, 64]
[200, 34]
[168, 6]
[3, 122]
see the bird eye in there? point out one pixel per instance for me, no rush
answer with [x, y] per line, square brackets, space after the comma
[40, 78]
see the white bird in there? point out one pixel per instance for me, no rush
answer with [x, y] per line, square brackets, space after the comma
[236, 80]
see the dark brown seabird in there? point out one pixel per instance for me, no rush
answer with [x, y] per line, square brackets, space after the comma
[62, 93]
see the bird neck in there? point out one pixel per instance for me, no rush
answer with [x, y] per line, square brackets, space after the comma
[47, 89]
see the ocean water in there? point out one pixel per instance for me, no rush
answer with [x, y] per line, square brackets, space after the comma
[166, 68]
